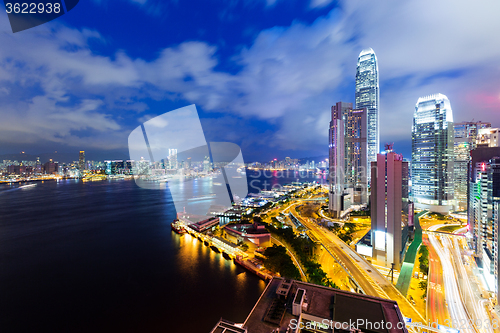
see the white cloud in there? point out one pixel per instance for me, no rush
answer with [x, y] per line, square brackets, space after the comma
[290, 75]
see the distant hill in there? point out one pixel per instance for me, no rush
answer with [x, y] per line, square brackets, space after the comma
[45, 157]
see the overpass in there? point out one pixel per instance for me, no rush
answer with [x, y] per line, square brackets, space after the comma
[404, 279]
[368, 278]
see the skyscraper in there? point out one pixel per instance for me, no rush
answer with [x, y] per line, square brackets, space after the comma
[81, 161]
[367, 96]
[466, 136]
[348, 157]
[337, 159]
[484, 197]
[497, 238]
[356, 166]
[172, 159]
[432, 154]
[389, 208]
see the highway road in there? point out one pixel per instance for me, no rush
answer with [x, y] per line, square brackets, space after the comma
[437, 311]
[456, 308]
[368, 278]
[462, 295]
[472, 302]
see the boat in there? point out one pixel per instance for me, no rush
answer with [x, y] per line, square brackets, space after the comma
[225, 255]
[213, 247]
[177, 228]
[25, 186]
[206, 243]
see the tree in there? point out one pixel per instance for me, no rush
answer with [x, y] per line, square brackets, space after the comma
[278, 260]
[424, 259]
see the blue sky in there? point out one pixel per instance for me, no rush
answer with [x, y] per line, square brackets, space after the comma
[263, 74]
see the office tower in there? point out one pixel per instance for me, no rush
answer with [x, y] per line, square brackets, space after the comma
[367, 96]
[488, 137]
[348, 155]
[432, 154]
[466, 135]
[81, 161]
[497, 236]
[172, 159]
[356, 165]
[38, 166]
[484, 197]
[389, 208]
[336, 150]
[51, 167]
[484, 191]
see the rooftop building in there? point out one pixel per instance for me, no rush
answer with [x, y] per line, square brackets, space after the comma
[294, 306]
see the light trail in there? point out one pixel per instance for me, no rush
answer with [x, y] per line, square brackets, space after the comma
[456, 307]
[478, 312]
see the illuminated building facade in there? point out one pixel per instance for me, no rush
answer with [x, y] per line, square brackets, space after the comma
[367, 96]
[466, 135]
[81, 161]
[51, 167]
[433, 154]
[389, 208]
[356, 165]
[172, 159]
[488, 137]
[497, 239]
[336, 150]
[484, 196]
[347, 157]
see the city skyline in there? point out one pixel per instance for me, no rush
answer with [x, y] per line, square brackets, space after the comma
[265, 82]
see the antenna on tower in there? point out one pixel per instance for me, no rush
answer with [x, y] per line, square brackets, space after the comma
[389, 147]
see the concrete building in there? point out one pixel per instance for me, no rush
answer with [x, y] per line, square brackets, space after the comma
[51, 167]
[466, 136]
[172, 159]
[433, 154]
[348, 157]
[356, 154]
[389, 209]
[255, 234]
[488, 137]
[81, 161]
[497, 239]
[367, 96]
[294, 306]
[487, 198]
[336, 150]
[483, 186]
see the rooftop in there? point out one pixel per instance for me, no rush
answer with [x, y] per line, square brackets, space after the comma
[323, 304]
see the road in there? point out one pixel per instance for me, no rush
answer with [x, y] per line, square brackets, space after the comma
[473, 305]
[453, 299]
[461, 292]
[437, 311]
[368, 278]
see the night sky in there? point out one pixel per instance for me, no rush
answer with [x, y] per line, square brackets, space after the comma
[263, 74]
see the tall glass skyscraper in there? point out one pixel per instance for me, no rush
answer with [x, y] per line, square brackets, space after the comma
[367, 96]
[466, 135]
[432, 154]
